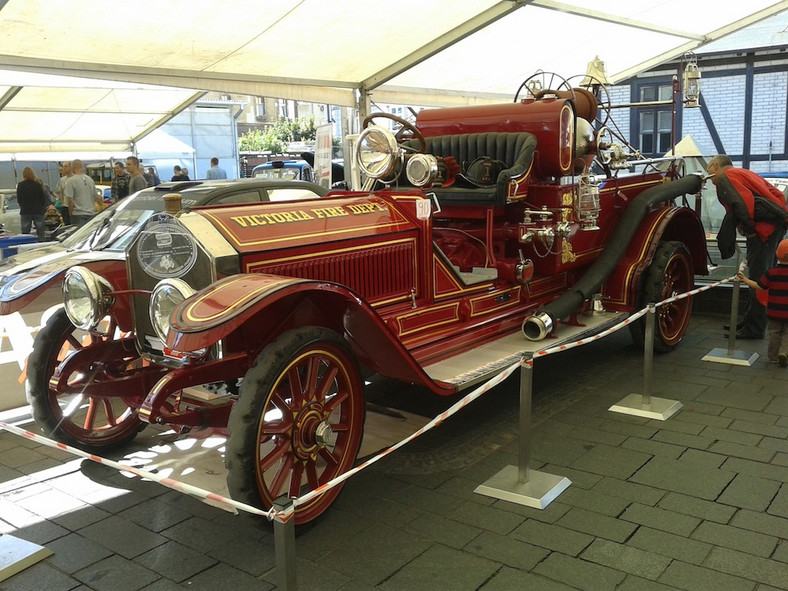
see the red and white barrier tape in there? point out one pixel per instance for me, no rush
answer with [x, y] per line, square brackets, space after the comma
[466, 400]
[692, 292]
[288, 513]
[168, 482]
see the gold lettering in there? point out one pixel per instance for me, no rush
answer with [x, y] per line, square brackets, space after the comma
[302, 215]
[289, 216]
[239, 220]
[330, 212]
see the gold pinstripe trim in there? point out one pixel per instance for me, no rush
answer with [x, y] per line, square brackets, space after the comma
[188, 313]
[455, 306]
[512, 302]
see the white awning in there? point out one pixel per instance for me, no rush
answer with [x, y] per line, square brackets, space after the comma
[436, 53]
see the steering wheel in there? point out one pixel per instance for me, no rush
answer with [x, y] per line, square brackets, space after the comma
[542, 83]
[406, 133]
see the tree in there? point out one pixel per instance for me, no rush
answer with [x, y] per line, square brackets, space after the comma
[278, 135]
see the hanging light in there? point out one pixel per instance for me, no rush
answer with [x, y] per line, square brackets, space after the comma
[691, 81]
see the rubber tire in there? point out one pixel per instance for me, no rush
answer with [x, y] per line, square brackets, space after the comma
[44, 403]
[670, 273]
[245, 481]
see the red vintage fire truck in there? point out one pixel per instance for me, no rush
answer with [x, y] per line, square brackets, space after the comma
[477, 232]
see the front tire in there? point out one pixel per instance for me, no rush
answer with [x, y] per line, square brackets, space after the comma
[85, 422]
[669, 274]
[298, 423]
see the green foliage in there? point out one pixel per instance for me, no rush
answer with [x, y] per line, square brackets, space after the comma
[277, 136]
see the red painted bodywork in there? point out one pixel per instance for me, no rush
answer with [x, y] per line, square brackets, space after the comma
[405, 285]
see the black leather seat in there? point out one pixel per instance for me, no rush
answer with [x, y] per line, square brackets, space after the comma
[515, 149]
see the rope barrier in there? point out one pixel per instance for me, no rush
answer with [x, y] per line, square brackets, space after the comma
[168, 482]
[286, 515]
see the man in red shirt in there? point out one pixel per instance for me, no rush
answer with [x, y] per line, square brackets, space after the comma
[759, 212]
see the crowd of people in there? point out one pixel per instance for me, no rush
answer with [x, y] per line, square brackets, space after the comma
[75, 200]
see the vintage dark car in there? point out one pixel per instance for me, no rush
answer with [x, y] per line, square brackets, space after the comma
[477, 233]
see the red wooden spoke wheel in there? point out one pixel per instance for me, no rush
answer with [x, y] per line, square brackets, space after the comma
[64, 360]
[298, 423]
[670, 274]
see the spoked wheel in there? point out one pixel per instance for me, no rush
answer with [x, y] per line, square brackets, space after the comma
[299, 421]
[599, 90]
[542, 84]
[64, 361]
[670, 274]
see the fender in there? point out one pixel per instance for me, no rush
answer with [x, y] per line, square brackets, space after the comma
[250, 310]
[671, 223]
[22, 284]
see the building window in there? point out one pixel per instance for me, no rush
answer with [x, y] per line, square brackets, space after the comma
[260, 108]
[655, 121]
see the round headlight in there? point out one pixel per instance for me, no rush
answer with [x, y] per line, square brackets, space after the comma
[422, 169]
[377, 152]
[85, 297]
[167, 294]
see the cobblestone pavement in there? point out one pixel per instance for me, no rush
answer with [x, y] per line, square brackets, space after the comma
[697, 502]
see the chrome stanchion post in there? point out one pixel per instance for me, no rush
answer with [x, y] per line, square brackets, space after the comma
[731, 355]
[643, 405]
[734, 310]
[526, 387]
[518, 484]
[284, 544]
[648, 353]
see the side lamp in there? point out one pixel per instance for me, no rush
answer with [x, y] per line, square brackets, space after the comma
[691, 80]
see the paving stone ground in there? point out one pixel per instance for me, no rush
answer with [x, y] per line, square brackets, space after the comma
[697, 502]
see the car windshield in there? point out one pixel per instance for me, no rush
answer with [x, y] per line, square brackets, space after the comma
[114, 227]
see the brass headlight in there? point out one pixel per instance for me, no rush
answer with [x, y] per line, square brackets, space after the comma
[166, 296]
[85, 297]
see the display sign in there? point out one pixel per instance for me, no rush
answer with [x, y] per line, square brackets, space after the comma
[323, 156]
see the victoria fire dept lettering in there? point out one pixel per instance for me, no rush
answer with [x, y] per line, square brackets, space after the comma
[301, 215]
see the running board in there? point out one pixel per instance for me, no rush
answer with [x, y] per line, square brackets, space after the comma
[482, 363]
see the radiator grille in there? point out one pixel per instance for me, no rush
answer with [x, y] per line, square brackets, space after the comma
[375, 272]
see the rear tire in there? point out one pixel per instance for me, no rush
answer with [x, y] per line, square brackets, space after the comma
[669, 274]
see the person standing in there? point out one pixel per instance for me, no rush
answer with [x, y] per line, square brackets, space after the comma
[185, 174]
[137, 182]
[775, 280]
[215, 171]
[758, 210]
[177, 174]
[80, 194]
[152, 178]
[120, 182]
[61, 204]
[33, 202]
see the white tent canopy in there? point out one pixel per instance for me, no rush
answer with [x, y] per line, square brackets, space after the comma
[341, 52]
[40, 113]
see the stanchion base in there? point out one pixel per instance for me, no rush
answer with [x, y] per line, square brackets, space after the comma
[720, 355]
[538, 491]
[659, 408]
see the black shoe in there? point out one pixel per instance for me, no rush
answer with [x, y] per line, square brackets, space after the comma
[728, 326]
